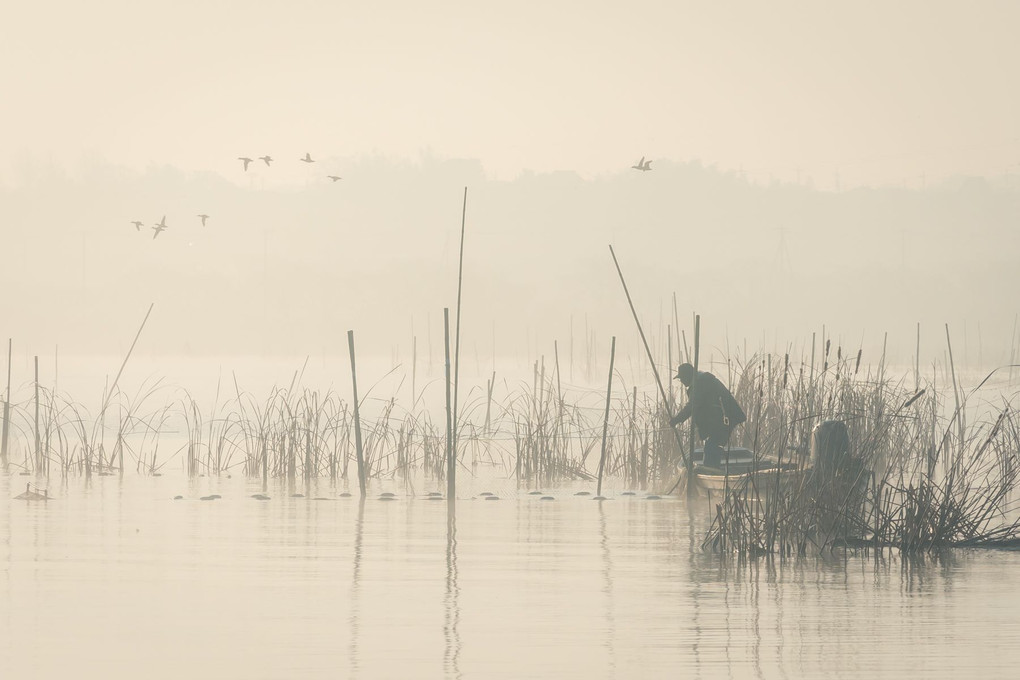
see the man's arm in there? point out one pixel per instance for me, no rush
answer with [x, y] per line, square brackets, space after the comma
[684, 414]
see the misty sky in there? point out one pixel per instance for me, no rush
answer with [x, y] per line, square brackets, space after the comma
[870, 92]
[853, 166]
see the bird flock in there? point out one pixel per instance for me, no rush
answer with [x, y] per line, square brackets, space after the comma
[161, 226]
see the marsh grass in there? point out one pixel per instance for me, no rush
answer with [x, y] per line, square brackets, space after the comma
[925, 471]
[920, 475]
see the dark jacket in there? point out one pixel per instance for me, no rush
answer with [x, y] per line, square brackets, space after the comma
[713, 408]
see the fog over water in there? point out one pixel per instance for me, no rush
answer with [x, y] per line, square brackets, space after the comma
[288, 271]
[114, 577]
[200, 200]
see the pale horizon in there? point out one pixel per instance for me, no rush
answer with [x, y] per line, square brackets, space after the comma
[873, 94]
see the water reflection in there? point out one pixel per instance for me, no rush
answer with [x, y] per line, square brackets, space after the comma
[507, 589]
[607, 576]
[355, 595]
[451, 602]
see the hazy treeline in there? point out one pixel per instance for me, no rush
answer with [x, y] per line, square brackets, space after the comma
[288, 268]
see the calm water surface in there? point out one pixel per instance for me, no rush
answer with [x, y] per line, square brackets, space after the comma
[113, 578]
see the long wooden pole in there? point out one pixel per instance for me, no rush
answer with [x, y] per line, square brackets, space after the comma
[7, 408]
[605, 419]
[651, 360]
[697, 356]
[38, 448]
[451, 451]
[357, 416]
[456, 352]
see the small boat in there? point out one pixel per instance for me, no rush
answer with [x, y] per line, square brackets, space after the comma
[740, 466]
[30, 495]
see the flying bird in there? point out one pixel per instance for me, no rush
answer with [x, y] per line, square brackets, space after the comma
[159, 227]
[334, 177]
[138, 225]
[307, 158]
[245, 160]
[643, 165]
[267, 158]
[203, 217]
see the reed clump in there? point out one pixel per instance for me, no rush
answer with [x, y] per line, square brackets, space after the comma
[920, 474]
[914, 474]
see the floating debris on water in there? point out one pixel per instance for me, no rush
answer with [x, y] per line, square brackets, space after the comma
[546, 498]
[387, 498]
[653, 498]
[601, 498]
[534, 493]
[177, 498]
[345, 494]
[435, 494]
[387, 494]
[492, 498]
[260, 497]
[627, 493]
[434, 498]
[583, 493]
[297, 495]
[486, 493]
[208, 498]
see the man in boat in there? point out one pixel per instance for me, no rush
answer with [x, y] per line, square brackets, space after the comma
[713, 408]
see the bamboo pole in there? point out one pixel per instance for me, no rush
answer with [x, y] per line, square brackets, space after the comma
[451, 451]
[7, 409]
[109, 394]
[456, 352]
[38, 450]
[605, 419]
[697, 356]
[917, 360]
[357, 416]
[651, 360]
[959, 415]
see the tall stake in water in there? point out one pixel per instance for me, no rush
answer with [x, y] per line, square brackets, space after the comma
[7, 409]
[697, 355]
[651, 360]
[106, 402]
[605, 419]
[38, 450]
[456, 353]
[451, 451]
[357, 417]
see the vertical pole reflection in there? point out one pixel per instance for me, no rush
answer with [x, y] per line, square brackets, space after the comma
[451, 622]
[352, 655]
[695, 575]
[607, 573]
[756, 619]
